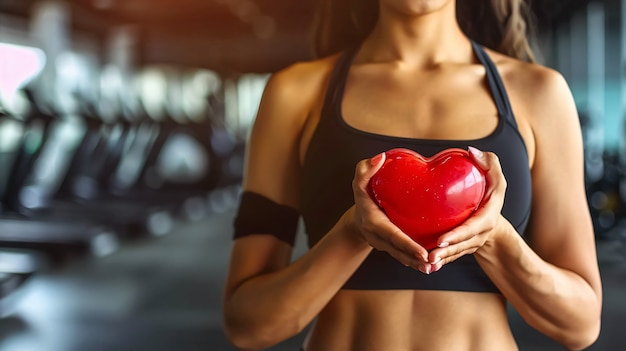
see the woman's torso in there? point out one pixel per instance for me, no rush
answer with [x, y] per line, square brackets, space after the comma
[446, 104]
[405, 320]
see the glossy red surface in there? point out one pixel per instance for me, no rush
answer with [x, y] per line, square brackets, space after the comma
[426, 197]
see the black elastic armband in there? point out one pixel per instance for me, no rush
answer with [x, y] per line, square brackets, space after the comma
[259, 215]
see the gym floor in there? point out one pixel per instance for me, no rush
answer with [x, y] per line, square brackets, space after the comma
[164, 294]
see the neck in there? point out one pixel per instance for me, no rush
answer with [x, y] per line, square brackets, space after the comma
[423, 40]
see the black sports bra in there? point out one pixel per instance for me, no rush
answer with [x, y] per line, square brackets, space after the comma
[336, 148]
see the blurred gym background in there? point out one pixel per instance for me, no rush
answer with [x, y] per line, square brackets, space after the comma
[122, 130]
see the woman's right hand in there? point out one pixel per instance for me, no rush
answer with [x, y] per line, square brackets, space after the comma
[369, 222]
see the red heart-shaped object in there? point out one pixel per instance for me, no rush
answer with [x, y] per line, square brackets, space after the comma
[426, 197]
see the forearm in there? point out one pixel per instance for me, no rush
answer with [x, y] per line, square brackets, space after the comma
[555, 301]
[272, 307]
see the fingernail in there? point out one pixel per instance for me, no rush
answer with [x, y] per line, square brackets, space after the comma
[376, 159]
[444, 244]
[437, 267]
[428, 269]
[479, 156]
[475, 152]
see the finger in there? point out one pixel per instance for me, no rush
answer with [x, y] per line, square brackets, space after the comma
[467, 234]
[490, 164]
[437, 266]
[494, 170]
[441, 254]
[484, 160]
[463, 232]
[392, 234]
[482, 221]
[365, 170]
[403, 257]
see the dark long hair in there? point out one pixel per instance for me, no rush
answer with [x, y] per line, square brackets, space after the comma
[501, 25]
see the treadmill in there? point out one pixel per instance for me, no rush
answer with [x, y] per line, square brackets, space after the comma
[86, 187]
[111, 173]
[54, 236]
[177, 192]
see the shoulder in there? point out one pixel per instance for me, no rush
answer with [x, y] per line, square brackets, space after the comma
[291, 94]
[306, 71]
[537, 83]
[301, 81]
[542, 93]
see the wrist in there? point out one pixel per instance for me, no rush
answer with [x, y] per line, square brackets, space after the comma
[349, 229]
[499, 235]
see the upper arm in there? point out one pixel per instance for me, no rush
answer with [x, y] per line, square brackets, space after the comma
[560, 228]
[272, 169]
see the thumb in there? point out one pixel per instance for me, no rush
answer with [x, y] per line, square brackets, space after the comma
[366, 169]
[479, 157]
[376, 162]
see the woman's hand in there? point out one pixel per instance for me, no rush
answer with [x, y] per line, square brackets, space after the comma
[483, 225]
[369, 222]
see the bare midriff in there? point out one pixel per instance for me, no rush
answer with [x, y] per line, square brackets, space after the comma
[403, 320]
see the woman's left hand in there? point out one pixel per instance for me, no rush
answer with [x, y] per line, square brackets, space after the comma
[483, 225]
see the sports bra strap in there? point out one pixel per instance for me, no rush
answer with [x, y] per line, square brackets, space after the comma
[337, 82]
[498, 91]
